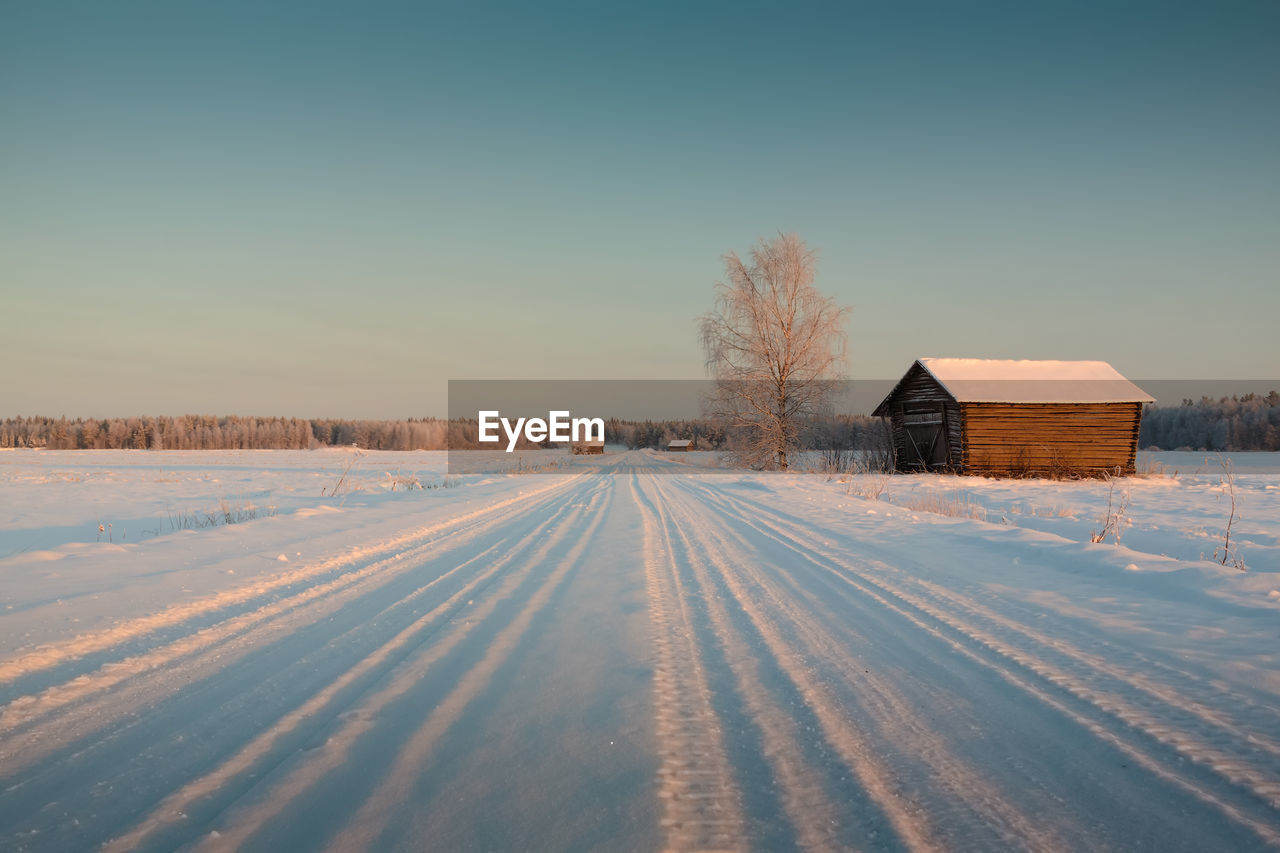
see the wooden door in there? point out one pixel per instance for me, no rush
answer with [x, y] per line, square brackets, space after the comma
[926, 436]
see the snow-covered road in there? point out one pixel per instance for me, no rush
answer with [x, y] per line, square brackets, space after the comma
[631, 656]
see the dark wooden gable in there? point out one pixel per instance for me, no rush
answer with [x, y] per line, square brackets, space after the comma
[928, 431]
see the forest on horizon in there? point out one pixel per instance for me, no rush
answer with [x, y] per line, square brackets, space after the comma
[1235, 423]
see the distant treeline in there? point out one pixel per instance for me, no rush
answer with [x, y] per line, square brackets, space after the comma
[233, 432]
[657, 434]
[838, 432]
[236, 432]
[1248, 422]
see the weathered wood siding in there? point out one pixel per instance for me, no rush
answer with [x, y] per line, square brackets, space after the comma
[1049, 438]
[919, 393]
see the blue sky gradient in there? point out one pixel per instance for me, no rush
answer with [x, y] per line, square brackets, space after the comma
[331, 209]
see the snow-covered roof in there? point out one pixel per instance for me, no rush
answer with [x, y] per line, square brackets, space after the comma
[679, 442]
[990, 380]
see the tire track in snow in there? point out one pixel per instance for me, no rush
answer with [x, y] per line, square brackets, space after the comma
[173, 809]
[1212, 703]
[164, 750]
[1177, 691]
[969, 799]
[799, 645]
[813, 815]
[373, 816]
[50, 655]
[1223, 747]
[906, 818]
[701, 805]
[1011, 662]
[243, 820]
[1167, 696]
[149, 677]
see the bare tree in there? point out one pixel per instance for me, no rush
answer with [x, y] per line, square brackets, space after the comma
[775, 346]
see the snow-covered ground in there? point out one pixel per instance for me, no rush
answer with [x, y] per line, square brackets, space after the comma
[377, 654]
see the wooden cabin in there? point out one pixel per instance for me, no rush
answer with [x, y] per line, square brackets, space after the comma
[680, 445]
[1014, 418]
[580, 448]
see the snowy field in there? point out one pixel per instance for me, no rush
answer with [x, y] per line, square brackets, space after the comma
[297, 650]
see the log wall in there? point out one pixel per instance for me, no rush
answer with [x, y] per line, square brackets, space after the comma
[1049, 438]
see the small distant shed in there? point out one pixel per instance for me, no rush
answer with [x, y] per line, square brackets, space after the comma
[579, 448]
[1011, 418]
[680, 445]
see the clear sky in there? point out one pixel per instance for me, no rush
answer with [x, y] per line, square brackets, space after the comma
[329, 209]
